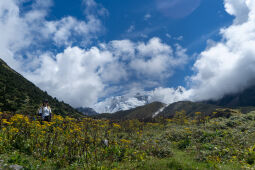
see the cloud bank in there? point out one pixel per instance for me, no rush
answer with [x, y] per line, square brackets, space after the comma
[81, 76]
[23, 31]
[227, 66]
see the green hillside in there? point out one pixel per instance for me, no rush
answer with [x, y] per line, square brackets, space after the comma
[190, 108]
[19, 95]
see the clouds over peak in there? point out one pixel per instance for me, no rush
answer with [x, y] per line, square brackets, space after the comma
[82, 76]
[224, 67]
[228, 66]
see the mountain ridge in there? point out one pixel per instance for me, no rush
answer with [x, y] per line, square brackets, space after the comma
[19, 95]
[243, 101]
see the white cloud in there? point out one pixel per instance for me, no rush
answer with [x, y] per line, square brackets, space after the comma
[131, 28]
[167, 95]
[21, 29]
[153, 58]
[15, 34]
[180, 38]
[95, 9]
[124, 49]
[64, 31]
[147, 16]
[177, 8]
[237, 8]
[72, 75]
[157, 59]
[168, 35]
[154, 47]
[228, 66]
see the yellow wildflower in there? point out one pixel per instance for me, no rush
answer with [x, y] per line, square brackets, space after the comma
[125, 141]
[198, 113]
[116, 125]
[169, 120]
[59, 129]
[4, 121]
[15, 130]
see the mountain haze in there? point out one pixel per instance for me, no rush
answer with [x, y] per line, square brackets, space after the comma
[87, 111]
[242, 99]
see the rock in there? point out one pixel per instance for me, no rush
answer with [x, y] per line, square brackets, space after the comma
[105, 142]
[1, 163]
[16, 167]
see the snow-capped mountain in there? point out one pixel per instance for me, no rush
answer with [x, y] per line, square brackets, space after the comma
[118, 103]
[126, 102]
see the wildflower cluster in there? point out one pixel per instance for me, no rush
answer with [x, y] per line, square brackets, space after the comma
[69, 140]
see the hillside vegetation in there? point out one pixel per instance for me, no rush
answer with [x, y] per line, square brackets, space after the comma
[182, 142]
[21, 96]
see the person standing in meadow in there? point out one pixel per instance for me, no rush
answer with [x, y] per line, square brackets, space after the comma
[45, 111]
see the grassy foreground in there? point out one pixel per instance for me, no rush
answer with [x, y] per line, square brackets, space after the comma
[178, 143]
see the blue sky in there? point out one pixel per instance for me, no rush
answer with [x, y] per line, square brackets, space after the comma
[85, 51]
[205, 20]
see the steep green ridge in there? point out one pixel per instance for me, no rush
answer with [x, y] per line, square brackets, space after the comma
[142, 113]
[19, 95]
[190, 108]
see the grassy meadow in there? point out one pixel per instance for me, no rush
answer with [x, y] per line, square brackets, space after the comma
[178, 143]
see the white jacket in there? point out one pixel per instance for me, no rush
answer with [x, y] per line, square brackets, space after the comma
[45, 111]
